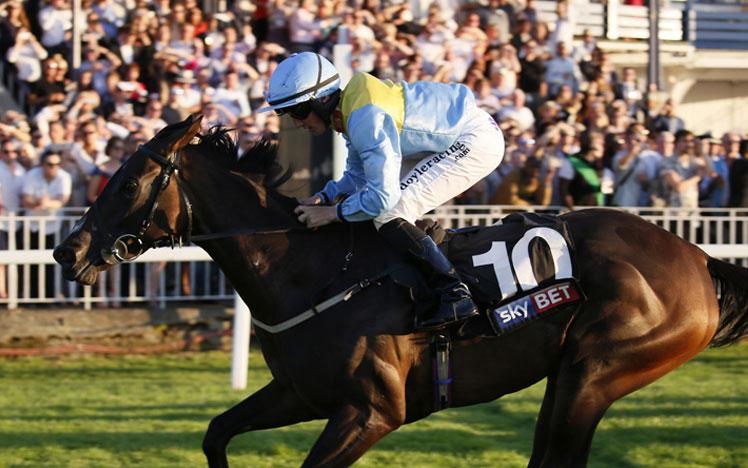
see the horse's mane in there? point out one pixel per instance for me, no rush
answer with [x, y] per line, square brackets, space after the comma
[259, 160]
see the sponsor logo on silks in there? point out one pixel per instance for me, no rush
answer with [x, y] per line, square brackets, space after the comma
[527, 308]
[459, 150]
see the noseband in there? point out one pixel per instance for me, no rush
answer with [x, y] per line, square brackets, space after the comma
[126, 247]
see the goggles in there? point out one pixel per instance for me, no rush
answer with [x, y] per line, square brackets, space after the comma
[299, 112]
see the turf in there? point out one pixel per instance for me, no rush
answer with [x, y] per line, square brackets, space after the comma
[152, 411]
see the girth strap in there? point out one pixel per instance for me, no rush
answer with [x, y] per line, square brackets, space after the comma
[317, 309]
[441, 366]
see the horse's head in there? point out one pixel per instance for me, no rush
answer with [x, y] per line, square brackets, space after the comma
[139, 208]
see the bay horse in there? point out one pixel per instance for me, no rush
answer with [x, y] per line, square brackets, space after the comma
[653, 302]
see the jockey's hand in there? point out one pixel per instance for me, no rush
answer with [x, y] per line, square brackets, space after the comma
[313, 200]
[316, 216]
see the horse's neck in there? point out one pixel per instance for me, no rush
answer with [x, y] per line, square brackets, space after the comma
[275, 274]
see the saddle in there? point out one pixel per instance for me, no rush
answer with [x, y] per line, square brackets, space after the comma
[518, 271]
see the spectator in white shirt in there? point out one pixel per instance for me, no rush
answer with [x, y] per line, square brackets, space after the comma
[187, 97]
[185, 46]
[303, 28]
[26, 54]
[518, 111]
[113, 15]
[502, 84]
[583, 51]
[56, 22]
[11, 178]
[151, 119]
[79, 159]
[565, 24]
[360, 29]
[484, 98]
[430, 46]
[46, 189]
[507, 60]
[232, 95]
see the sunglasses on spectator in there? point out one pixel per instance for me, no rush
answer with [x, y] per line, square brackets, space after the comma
[51, 164]
[299, 112]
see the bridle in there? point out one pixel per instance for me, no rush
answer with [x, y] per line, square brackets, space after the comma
[125, 247]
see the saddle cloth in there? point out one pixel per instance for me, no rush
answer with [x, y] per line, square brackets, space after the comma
[517, 270]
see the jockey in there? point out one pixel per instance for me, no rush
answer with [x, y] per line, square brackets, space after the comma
[453, 143]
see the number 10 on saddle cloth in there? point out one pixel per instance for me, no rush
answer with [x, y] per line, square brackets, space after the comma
[519, 270]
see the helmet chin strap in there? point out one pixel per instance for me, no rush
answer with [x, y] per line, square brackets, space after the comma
[325, 109]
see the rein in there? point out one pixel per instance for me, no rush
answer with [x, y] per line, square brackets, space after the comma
[126, 247]
[317, 309]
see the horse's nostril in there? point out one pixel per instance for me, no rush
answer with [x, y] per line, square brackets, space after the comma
[64, 255]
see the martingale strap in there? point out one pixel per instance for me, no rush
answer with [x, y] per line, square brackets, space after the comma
[317, 309]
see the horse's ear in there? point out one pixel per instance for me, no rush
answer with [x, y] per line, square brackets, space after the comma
[191, 128]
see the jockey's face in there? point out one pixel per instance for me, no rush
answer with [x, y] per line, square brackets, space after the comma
[313, 123]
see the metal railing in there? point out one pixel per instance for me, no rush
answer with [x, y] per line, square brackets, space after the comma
[705, 24]
[157, 278]
[166, 276]
[614, 20]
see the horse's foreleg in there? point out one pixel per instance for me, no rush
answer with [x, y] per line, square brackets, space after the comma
[272, 406]
[348, 435]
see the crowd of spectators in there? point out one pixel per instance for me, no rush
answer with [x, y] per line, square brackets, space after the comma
[578, 131]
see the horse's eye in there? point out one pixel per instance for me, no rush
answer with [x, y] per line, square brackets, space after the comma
[130, 188]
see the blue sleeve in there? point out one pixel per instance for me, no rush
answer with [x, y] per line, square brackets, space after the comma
[376, 140]
[353, 178]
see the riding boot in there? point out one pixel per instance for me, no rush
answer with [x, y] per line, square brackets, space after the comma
[455, 301]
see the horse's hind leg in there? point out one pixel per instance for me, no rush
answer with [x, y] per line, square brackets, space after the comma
[592, 377]
[573, 405]
[348, 435]
[542, 427]
[271, 406]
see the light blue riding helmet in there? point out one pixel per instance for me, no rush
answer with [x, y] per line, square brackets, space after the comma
[301, 77]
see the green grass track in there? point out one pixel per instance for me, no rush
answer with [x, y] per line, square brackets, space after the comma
[152, 411]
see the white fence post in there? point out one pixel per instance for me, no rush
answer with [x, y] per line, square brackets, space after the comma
[342, 60]
[240, 344]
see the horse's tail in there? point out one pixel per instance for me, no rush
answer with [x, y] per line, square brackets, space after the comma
[732, 289]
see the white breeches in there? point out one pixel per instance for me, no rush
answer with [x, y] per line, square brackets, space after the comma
[439, 177]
